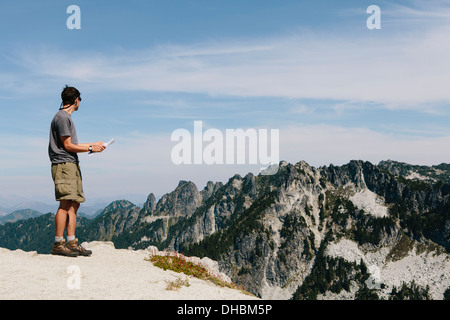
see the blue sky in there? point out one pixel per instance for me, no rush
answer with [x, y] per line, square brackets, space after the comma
[336, 90]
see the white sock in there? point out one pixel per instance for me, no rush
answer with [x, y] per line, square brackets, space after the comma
[70, 238]
[59, 239]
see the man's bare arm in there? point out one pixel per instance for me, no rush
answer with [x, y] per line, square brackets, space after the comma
[98, 143]
[82, 147]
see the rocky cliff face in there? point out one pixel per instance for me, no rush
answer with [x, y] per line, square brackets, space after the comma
[115, 219]
[270, 233]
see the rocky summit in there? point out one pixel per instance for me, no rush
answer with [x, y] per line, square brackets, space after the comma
[356, 231]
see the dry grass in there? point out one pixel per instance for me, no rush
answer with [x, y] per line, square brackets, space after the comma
[177, 284]
[179, 263]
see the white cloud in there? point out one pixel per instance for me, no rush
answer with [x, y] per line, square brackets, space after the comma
[408, 69]
[431, 11]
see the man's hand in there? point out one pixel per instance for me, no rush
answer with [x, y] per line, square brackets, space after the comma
[98, 147]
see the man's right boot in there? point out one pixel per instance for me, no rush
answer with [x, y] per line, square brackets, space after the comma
[60, 249]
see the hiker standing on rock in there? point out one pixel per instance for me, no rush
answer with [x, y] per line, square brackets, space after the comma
[62, 150]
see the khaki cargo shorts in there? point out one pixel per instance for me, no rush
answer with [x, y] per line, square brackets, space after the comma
[68, 182]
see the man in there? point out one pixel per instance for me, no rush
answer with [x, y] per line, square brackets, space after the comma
[63, 151]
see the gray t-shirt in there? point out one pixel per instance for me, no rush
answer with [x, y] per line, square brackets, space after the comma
[62, 126]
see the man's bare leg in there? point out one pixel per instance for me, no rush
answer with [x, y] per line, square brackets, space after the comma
[61, 217]
[66, 217]
[71, 223]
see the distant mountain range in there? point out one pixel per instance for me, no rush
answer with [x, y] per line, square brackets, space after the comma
[19, 215]
[9, 204]
[25, 205]
[357, 231]
[41, 208]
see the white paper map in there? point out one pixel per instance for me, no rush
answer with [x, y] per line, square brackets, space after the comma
[110, 142]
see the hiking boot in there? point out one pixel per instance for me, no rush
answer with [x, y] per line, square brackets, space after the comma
[60, 249]
[76, 247]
